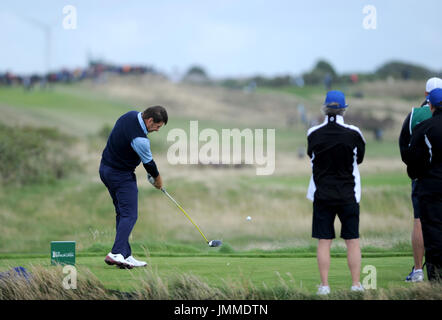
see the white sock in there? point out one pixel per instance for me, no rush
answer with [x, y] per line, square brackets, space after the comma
[415, 270]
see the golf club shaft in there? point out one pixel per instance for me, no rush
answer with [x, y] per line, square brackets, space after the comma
[182, 210]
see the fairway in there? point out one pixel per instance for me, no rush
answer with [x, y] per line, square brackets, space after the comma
[296, 272]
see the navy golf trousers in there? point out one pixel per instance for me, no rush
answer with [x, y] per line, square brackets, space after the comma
[122, 186]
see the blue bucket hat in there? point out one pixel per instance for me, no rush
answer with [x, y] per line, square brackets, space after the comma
[435, 98]
[335, 100]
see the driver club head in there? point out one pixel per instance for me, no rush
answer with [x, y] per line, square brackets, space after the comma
[215, 243]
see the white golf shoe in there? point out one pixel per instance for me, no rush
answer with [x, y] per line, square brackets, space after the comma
[323, 290]
[135, 262]
[416, 275]
[358, 288]
[118, 260]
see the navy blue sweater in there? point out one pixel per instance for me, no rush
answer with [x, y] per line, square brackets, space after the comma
[119, 153]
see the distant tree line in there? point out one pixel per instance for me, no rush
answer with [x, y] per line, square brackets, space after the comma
[323, 73]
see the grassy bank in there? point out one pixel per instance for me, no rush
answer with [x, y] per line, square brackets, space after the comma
[80, 209]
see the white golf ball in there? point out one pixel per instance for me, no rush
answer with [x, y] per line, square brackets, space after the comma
[249, 218]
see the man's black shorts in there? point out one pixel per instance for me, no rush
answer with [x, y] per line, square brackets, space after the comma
[324, 217]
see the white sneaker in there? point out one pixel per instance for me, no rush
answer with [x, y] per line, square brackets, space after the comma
[358, 288]
[135, 262]
[418, 276]
[118, 260]
[415, 276]
[323, 290]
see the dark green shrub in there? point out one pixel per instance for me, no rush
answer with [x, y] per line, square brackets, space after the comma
[34, 155]
[105, 131]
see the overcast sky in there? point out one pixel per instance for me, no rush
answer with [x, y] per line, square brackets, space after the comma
[227, 37]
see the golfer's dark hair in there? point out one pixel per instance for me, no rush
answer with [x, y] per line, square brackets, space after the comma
[157, 113]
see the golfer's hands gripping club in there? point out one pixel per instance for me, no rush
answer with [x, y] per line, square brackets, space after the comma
[156, 182]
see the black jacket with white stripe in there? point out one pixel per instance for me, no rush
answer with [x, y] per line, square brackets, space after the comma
[335, 149]
[425, 155]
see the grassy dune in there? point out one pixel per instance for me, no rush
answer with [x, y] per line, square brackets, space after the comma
[281, 215]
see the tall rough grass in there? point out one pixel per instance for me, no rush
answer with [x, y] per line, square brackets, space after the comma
[46, 284]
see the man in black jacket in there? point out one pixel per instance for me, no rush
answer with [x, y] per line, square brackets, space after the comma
[336, 149]
[416, 116]
[425, 164]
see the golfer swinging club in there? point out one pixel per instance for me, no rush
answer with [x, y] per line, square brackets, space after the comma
[336, 149]
[126, 147]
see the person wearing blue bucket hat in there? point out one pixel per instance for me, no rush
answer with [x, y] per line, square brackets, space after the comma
[425, 165]
[335, 149]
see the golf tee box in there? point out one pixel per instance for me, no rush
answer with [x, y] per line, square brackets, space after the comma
[63, 252]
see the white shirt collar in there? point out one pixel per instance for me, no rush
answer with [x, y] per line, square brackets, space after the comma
[339, 119]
